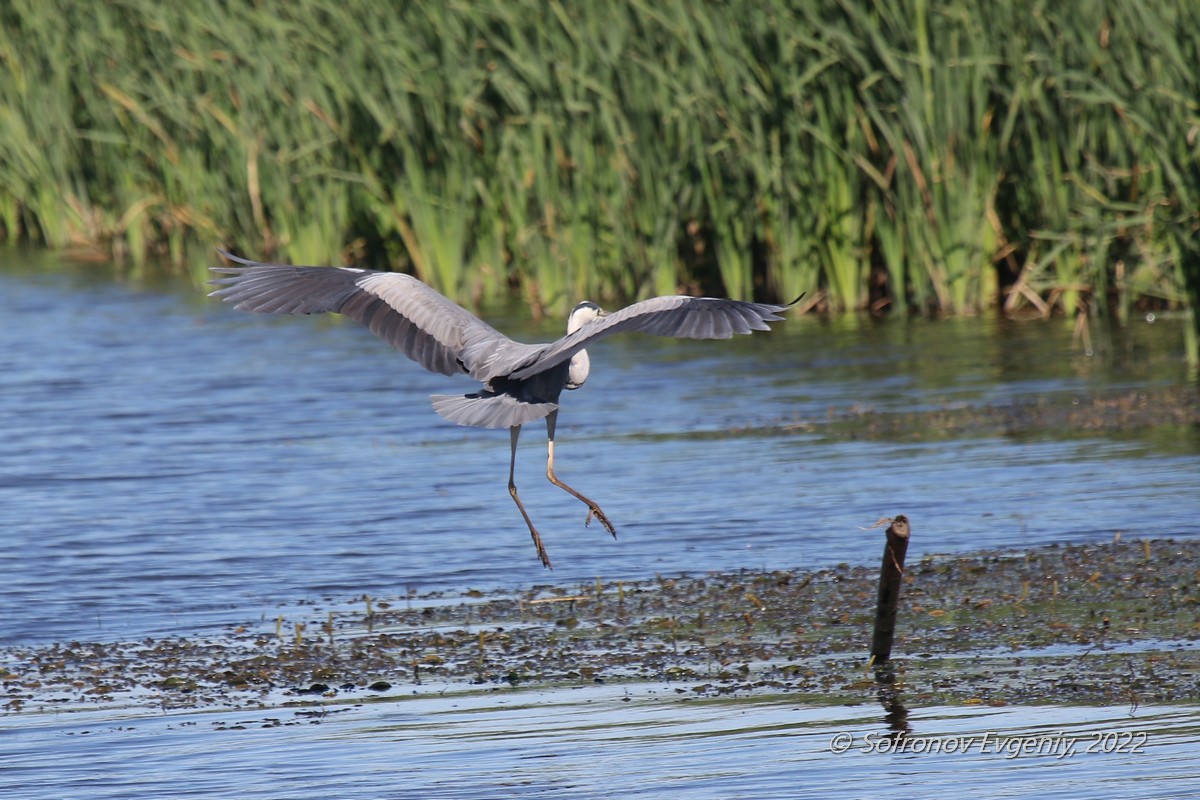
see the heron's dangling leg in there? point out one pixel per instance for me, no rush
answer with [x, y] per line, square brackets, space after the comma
[514, 432]
[593, 509]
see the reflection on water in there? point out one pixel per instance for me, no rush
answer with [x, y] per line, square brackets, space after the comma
[170, 463]
[895, 713]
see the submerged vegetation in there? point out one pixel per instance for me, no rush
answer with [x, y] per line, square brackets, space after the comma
[939, 158]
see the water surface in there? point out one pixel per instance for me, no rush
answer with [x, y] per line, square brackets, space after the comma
[602, 742]
[171, 464]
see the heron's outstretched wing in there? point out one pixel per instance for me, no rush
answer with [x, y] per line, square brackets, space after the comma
[678, 316]
[414, 318]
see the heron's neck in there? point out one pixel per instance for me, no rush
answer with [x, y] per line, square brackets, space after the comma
[578, 373]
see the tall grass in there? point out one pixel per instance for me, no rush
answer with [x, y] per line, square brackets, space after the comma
[936, 157]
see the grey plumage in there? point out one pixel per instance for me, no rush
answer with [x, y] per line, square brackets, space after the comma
[521, 382]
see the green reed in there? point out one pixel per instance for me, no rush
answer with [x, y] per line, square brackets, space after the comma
[939, 157]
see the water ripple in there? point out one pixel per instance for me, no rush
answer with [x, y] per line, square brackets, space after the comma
[171, 464]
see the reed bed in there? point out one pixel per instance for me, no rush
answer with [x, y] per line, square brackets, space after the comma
[897, 154]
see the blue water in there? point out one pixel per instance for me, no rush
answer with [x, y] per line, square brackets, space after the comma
[602, 742]
[171, 466]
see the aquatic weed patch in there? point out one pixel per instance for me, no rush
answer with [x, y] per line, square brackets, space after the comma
[1115, 623]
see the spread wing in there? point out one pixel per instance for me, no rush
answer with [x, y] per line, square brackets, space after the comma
[418, 321]
[679, 316]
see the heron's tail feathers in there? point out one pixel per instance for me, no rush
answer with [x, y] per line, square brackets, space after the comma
[488, 410]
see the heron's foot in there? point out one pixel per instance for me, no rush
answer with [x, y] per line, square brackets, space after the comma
[543, 556]
[594, 511]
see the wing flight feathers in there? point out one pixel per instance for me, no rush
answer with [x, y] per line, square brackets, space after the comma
[412, 317]
[677, 316]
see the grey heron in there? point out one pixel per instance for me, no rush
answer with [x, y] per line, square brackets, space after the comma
[521, 382]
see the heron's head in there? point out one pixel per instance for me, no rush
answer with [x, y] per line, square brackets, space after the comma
[582, 314]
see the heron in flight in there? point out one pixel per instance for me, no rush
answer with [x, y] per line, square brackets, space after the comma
[521, 382]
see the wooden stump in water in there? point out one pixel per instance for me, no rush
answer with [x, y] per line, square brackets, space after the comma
[891, 574]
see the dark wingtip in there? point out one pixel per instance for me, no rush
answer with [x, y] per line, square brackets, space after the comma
[797, 300]
[228, 256]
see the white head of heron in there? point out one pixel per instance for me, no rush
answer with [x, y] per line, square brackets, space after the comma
[582, 314]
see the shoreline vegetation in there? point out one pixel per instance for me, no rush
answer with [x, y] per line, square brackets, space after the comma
[899, 156]
[1107, 624]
